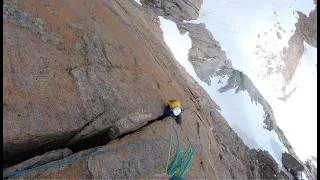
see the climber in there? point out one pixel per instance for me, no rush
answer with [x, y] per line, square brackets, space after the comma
[173, 106]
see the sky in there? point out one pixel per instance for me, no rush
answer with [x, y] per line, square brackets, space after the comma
[239, 26]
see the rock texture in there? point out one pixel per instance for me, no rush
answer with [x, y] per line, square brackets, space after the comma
[40, 160]
[76, 70]
[175, 10]
[71, 80]
[306, 31]
[268, 167]
[289, 162]
[307, 27]
[311, 167]
[206, 54]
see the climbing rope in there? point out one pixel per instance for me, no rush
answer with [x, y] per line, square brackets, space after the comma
[181, 162]
[179, 166]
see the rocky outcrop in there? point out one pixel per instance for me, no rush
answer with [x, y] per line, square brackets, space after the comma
[268, 168]
[311, 167]
[306, 31]
[175, 10]
[307, 27]
[291, 163]
[206, 54]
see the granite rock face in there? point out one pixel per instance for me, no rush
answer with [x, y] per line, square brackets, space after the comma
[40, 160]
[70, 80]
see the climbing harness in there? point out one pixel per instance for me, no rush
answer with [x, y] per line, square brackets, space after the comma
[180, 164]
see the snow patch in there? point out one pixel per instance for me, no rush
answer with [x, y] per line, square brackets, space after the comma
[138, 1]
[178, 44]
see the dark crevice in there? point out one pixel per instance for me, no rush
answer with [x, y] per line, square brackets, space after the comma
[16, 158]
[96, 140]
[99, 139]
[139, 129]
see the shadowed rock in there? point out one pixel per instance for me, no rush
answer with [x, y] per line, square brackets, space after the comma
[289, 162]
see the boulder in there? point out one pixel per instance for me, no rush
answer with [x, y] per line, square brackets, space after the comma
[289, 162]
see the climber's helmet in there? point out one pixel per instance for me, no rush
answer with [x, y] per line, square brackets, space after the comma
[176, 111]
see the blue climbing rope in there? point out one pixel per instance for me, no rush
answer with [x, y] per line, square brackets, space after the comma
[84, 157]
[181, 162]
[175, 167]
